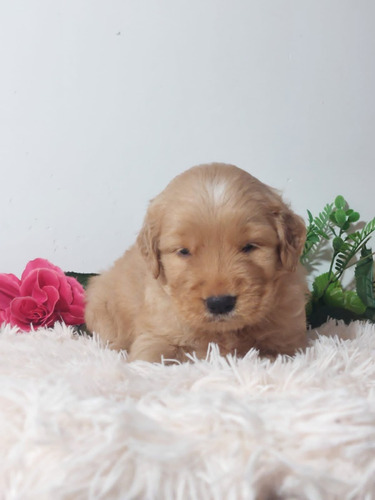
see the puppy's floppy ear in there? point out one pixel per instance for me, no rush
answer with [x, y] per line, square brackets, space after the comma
[291, 231]
[148, 239]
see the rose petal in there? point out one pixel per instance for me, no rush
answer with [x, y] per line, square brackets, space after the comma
[9, 288]
[52, 297]
[33, 284]
[76, 294]
[50, 319]
[75, 315]
[40, 264]
[48, 277]
[77, 288]
[66, 293]
[23, 312]
[30, 287]
[5, 316]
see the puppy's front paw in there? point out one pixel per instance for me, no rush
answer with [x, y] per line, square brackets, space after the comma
[152, 349]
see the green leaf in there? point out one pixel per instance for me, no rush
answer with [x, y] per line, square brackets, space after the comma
[312, 238]
[337, 243]
[340, 202]
[364, 277]
[310, 216]
[354, 236]
[317, 232]
[370, 314]
[368, 229]
[353, 217]
[340, 216]
[321, 233]
[354, 242]
[320, 285]
[334, 296]
[82, 278]
[332, 217]
[353, 303]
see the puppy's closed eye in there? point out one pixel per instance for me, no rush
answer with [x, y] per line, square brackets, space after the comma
[249, 247]
[183, 252]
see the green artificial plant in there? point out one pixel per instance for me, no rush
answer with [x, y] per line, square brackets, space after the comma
[335, 227]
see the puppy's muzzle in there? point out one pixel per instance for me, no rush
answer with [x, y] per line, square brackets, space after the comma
[221, 304]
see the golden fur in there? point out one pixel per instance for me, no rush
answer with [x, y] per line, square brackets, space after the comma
[214, 232]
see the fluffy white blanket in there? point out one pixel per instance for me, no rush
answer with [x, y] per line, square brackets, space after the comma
[77, 421]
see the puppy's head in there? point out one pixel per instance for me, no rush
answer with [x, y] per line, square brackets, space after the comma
[218, 240]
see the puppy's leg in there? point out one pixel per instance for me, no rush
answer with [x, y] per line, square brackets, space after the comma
[99, 321]
[150, 348]
[107, 311]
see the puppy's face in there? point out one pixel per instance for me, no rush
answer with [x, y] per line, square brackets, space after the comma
[218, 240]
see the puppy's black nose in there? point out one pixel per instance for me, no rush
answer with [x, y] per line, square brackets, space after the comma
[221, 304]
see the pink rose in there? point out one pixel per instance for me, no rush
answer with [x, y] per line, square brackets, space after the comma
[9, 288]
[43, 296]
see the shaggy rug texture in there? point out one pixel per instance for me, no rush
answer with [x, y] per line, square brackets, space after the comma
[77, 421]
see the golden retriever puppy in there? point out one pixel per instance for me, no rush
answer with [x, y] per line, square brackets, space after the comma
[217, 260]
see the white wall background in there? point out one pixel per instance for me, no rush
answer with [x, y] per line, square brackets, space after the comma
[103, 102]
